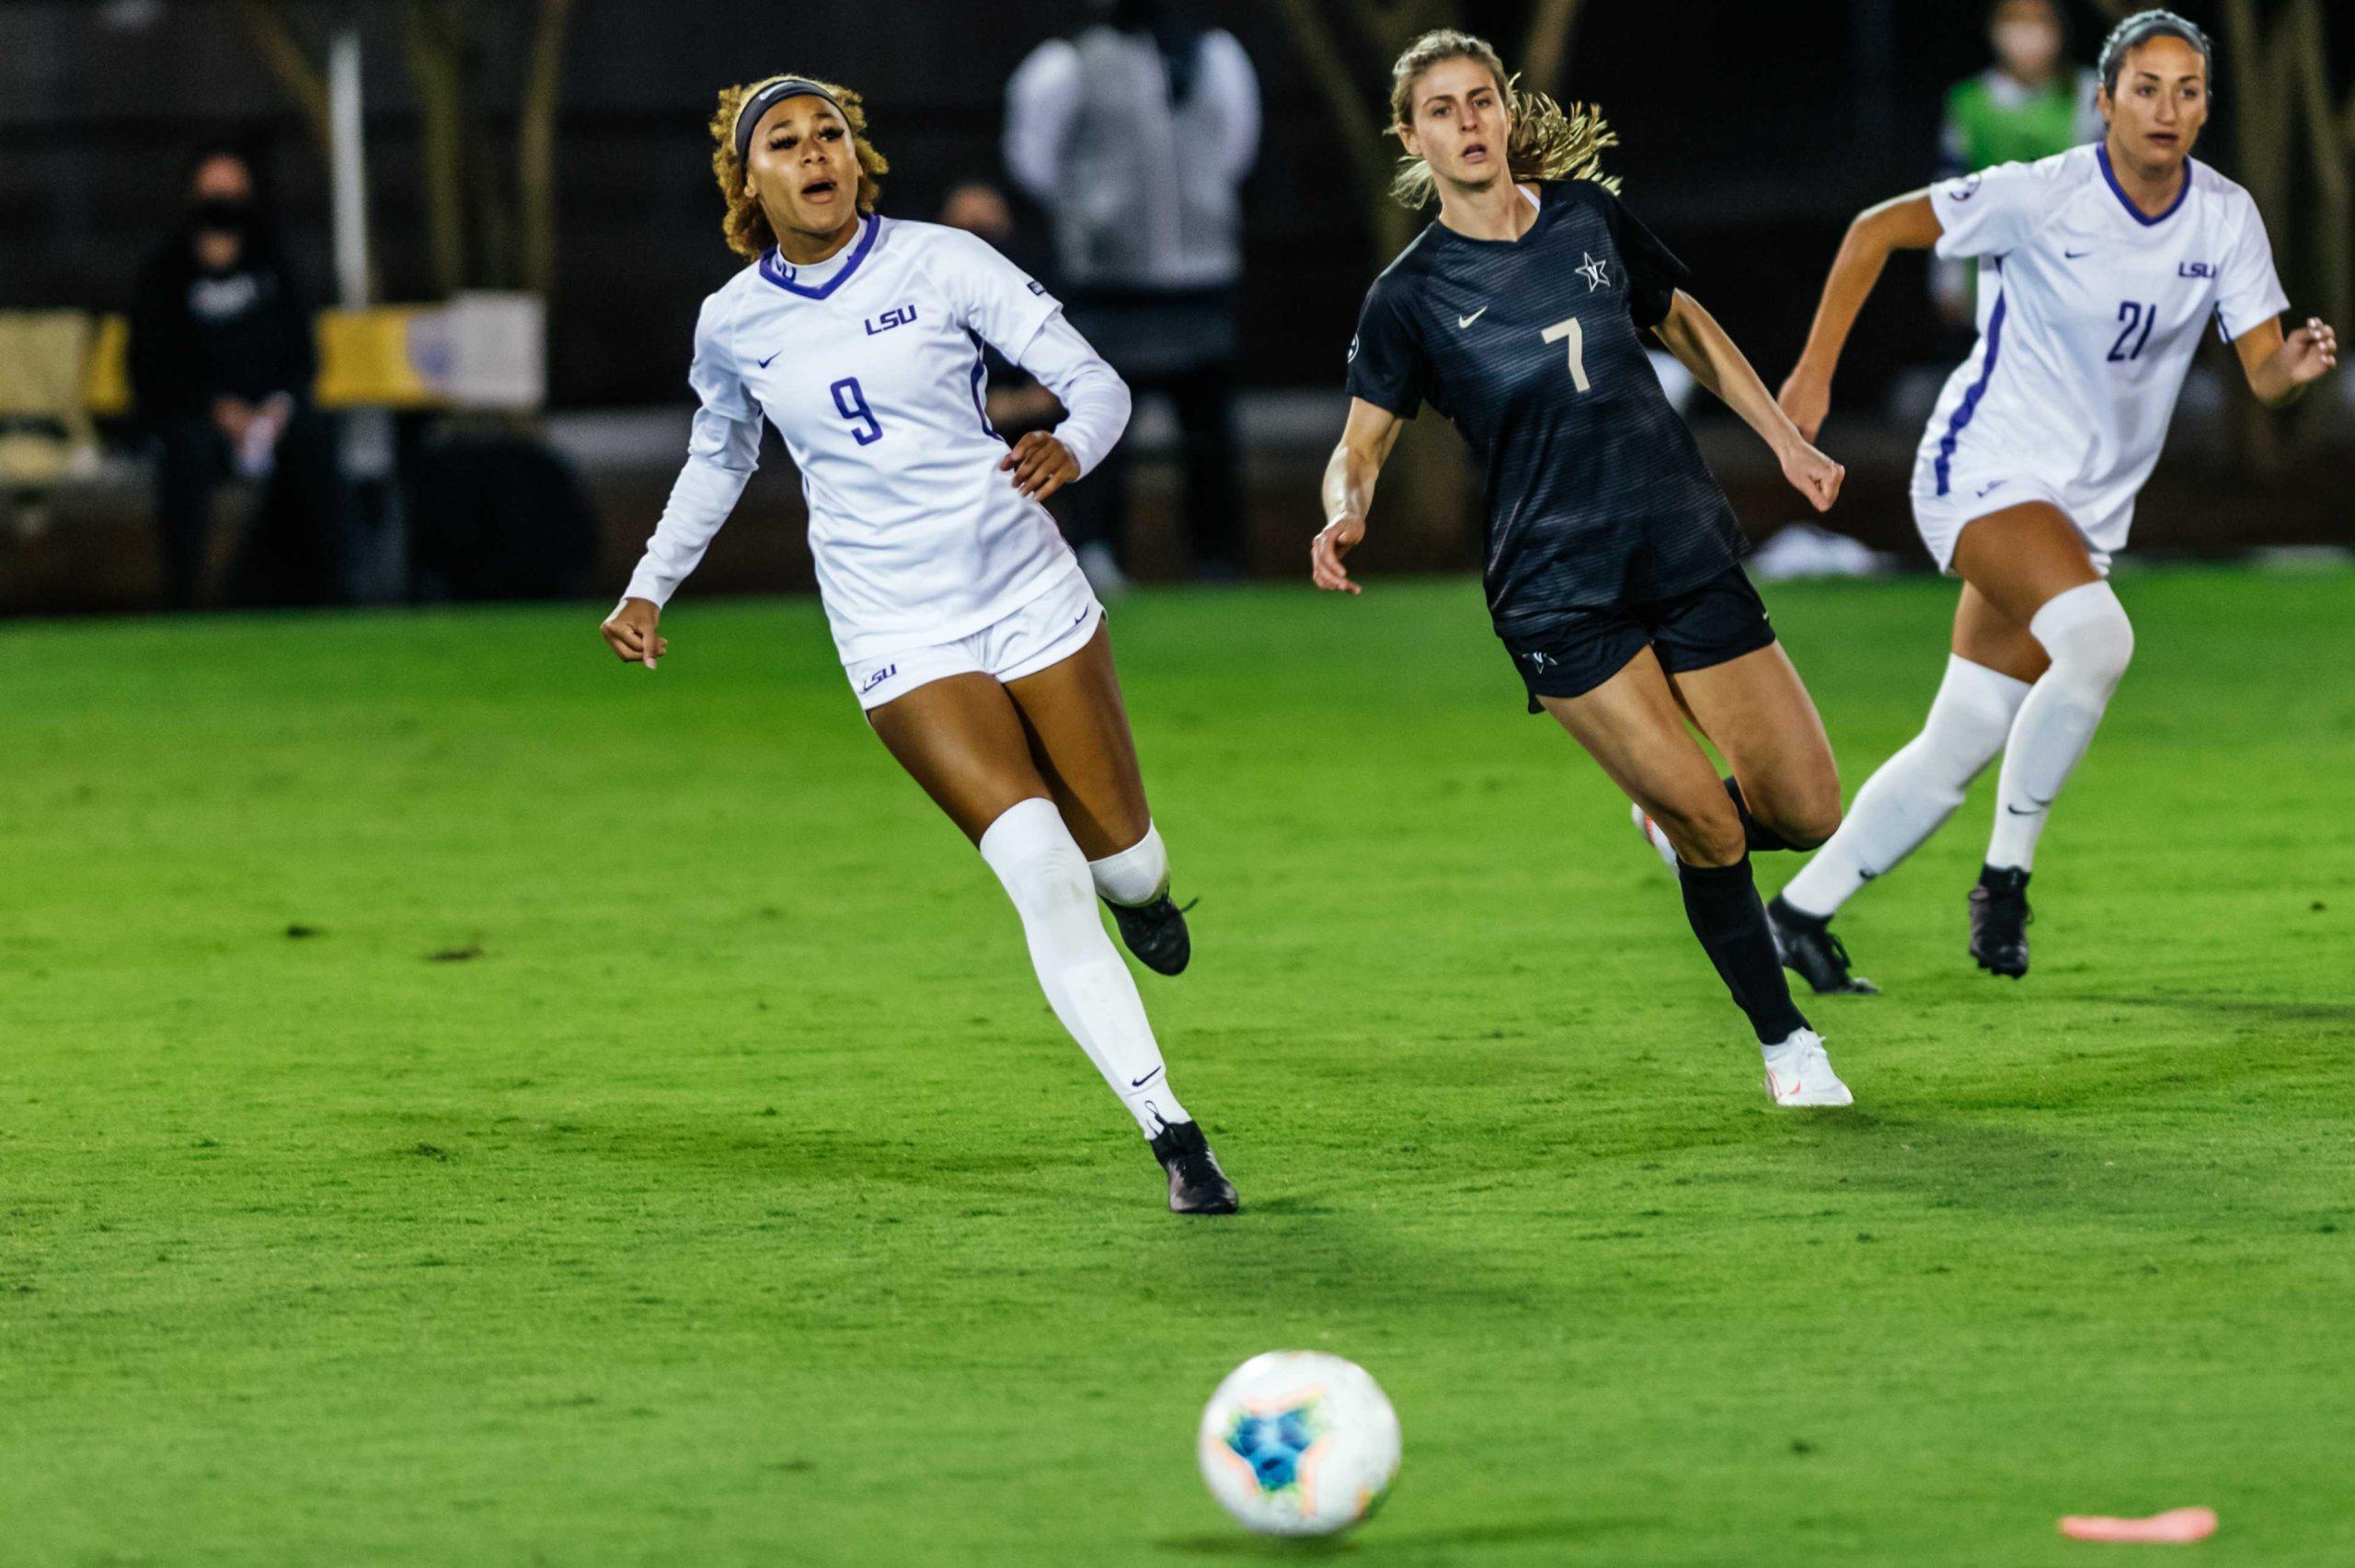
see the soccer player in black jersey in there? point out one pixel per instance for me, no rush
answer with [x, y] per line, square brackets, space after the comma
[1611, 556]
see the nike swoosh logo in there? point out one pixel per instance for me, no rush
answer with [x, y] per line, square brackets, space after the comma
[764, 363]
[1464, 321]
[1140, 1082]
[2076, 255]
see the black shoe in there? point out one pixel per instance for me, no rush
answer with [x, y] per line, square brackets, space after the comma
[1808, 949]
[1155, 932]
[1196, 1183]
[1999, 918]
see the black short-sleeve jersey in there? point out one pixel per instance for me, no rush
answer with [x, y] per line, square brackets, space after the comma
[1596, 494]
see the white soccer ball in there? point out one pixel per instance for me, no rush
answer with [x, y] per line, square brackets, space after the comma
[1296, 1442]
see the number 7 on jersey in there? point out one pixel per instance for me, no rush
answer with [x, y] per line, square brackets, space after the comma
[1576, 334]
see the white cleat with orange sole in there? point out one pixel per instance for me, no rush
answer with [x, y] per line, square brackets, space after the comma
[1653, 836]
[1798, 1074]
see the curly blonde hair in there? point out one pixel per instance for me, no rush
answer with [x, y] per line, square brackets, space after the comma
[1547, 142]
[746, 224]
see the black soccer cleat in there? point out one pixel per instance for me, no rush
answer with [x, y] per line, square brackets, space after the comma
[1155, 932]
[1196, 1183]
[1999, 920]
[1808, 949]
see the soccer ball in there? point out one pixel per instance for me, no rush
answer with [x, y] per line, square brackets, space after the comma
[1296, 1442]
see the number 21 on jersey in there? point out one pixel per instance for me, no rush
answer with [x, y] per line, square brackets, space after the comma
[1576, 334]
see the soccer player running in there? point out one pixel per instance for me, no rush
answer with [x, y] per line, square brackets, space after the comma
[2098, 269]
[1613, 569]
[964, 626]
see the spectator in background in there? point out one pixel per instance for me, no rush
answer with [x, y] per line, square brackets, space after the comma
[222, 362]
[1135, 137]
[2033, 102]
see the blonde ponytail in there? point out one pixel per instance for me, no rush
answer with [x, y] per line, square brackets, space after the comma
[1547, 142]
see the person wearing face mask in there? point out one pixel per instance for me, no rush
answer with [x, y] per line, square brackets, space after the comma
[2033, 102]
[222, 362]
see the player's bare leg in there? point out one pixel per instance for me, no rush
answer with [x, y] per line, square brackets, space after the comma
[1756, 711]
[2031, 567]
[1078, 730]
[961, 739]
[1633, 725]
[964, 741]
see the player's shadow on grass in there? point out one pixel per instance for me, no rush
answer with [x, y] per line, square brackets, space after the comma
[1383, 1542]
[2338, 1013]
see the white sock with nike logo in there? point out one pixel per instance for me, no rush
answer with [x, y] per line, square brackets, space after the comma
[2090, 639]
[1086, 983]
[1911, 795]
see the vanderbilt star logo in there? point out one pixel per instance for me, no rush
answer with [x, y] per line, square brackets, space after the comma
[1595, 274]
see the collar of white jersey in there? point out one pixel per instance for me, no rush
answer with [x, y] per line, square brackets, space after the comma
[2101, 156]
[787, 276]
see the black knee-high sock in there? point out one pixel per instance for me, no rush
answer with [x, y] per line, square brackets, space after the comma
[1722, 903]
[1760, 836]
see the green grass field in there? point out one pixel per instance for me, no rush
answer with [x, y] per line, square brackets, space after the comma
[462, 1101]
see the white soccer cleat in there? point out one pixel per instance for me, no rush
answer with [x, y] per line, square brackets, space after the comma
[1798, 1074]
[1653, 836]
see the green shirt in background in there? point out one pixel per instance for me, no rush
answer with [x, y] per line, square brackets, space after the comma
[1990, 119]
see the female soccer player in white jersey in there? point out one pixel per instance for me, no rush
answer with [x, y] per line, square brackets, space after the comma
[964, 626]
[1613, 575]
[2099, 267]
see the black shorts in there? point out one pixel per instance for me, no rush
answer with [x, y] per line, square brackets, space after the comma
[1722, 618]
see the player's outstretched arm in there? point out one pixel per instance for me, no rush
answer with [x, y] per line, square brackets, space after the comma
[1694, 336]
[2280, 368]
[632, 631]
[1904, 223]
[1350, 477]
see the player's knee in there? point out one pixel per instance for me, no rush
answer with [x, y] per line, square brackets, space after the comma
[1808, 823]
[1708, 835]
[2089, 633]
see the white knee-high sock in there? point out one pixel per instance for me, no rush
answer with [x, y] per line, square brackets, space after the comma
[1087, 984]
[1913, 793]
[2091, 641]
[1138, 875]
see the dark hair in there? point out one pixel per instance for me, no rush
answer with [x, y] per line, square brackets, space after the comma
[2141, 28]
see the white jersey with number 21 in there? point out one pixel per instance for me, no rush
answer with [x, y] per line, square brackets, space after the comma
[2091, 313]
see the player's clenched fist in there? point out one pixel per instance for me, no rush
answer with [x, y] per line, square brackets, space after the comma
[1813, 474]
[631, 633]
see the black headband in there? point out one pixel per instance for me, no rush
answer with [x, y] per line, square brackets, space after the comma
[760, 103]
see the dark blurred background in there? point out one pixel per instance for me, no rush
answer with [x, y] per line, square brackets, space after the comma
[1749, 135]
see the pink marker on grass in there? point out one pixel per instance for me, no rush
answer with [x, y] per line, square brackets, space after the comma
[2176, 1526]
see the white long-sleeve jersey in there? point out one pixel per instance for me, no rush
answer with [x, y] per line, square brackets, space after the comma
[2090, 313]
[869, 365]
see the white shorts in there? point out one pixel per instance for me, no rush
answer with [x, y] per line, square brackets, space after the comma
[1941, 519]
[1048, 630]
